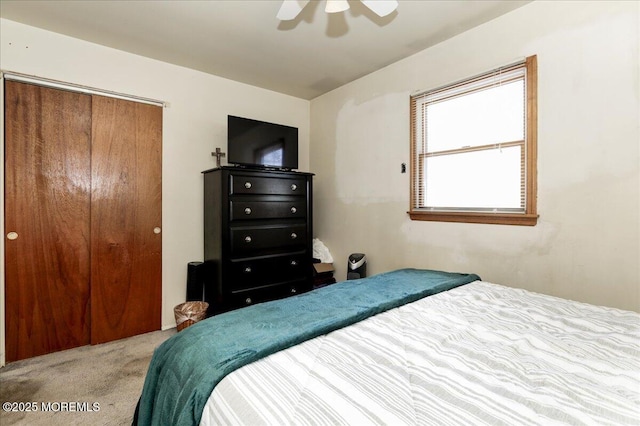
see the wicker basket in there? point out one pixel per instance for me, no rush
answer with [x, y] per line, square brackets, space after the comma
[189, 313]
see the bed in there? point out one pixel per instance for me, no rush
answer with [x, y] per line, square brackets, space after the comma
[406, 347]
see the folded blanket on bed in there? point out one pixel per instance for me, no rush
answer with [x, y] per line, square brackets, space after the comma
[185, 369]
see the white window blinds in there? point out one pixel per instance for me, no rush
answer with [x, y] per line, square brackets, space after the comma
[469, 144]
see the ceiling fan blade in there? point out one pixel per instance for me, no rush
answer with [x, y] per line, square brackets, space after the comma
[381, 7]
[290, 9]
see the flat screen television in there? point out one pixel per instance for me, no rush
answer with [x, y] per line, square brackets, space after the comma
[253, 143]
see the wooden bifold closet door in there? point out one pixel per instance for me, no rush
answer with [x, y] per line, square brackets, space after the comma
[82, 219]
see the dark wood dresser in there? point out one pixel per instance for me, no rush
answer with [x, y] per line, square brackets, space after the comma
[257, 235]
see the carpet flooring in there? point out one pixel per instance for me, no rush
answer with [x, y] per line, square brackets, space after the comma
[90, 385]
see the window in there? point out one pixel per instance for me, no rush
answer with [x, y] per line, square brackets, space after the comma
[473, 149]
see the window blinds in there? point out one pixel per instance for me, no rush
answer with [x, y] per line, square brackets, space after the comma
[468, 144]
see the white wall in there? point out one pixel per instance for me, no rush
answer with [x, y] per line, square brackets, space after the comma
[586, 244]
[193, 125]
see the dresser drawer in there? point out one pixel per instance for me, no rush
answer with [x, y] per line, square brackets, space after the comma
[253, 239]
[257, 272]
[264, 185]
[242, 298]
[241, 209]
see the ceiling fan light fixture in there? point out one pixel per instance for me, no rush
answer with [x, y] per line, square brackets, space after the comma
[290, 9]
[334, 6]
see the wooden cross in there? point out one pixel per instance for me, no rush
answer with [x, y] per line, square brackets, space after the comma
[218, 154]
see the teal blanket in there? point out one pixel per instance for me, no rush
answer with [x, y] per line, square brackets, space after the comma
[185, 369]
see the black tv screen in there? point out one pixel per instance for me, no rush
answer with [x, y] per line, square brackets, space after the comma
[254, 143]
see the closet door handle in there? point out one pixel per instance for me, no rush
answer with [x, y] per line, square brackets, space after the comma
[12, 236]
[157, 230]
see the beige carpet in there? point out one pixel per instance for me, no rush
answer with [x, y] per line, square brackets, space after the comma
[105, 378]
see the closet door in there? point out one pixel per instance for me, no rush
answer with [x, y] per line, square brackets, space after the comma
[47, 207]
[126, 242]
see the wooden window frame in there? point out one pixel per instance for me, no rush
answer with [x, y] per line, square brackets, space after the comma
[530, 215]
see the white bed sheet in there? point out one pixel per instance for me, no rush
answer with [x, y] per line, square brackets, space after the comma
[478, 354]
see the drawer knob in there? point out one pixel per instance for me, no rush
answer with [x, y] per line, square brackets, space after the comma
[294, 186]
[294, 235]
[293, 290]
[247, 211]
[293, 210]
[247, 270]
[247, 185]
[248, 301]
[247, 239]
[293, 263]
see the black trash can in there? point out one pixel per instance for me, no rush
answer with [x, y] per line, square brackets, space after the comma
[357, 266]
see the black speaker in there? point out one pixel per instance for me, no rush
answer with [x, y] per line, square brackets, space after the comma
[195, 281]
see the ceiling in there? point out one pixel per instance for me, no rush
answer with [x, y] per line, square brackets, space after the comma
[244, 41]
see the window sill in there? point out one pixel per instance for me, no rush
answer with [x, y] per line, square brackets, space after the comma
[466, 217]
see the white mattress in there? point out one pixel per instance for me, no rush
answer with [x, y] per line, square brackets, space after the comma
[478, 354]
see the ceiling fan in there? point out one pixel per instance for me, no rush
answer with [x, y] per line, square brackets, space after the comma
[291, 8]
